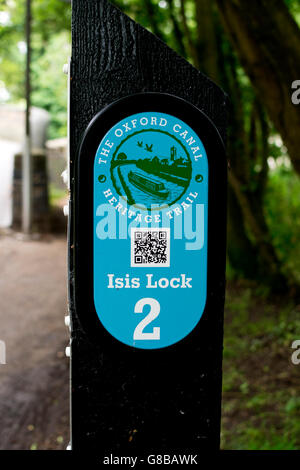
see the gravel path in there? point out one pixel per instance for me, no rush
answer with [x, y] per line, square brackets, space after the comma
[34, 383]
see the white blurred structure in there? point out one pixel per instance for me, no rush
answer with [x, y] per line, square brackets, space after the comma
[12, 125]
[7, 153]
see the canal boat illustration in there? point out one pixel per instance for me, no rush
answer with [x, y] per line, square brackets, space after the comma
[148, 184]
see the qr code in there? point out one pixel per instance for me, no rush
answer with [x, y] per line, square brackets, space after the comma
[150, 247]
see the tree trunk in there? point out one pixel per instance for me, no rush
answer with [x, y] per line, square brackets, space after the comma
[243, 256]
[207, 39]
[178, 35]
[268, 264]
[150, 8]
[267, 40]
[191, 47]
[252, 257]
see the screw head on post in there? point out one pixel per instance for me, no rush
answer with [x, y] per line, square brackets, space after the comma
[66, 210]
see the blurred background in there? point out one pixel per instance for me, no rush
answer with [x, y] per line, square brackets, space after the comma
[253, 53]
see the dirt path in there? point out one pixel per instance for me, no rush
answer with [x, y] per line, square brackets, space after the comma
[34, 382]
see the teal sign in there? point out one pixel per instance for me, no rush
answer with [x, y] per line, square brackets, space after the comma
[150, 230]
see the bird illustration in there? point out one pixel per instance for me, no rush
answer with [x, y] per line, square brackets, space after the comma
[140, 144]
[149, 147]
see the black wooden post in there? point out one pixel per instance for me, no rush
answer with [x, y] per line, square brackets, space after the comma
[164, 396]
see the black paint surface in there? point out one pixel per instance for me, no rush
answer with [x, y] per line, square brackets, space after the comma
[126, 400]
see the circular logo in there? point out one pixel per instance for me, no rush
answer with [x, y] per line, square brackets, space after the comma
[151, 167]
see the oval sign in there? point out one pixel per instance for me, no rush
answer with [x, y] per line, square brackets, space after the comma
[150, 210]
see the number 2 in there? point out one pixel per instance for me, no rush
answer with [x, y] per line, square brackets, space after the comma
[154, 312]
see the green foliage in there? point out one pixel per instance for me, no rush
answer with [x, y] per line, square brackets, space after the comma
[50, 17]
[294, 7]
[282, 211]
[56, 195]
[50, 50]
[50, 84]
[261, 406]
